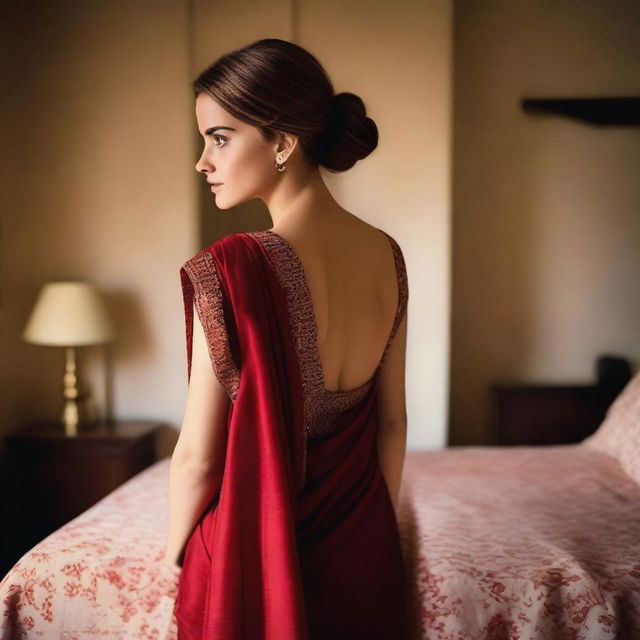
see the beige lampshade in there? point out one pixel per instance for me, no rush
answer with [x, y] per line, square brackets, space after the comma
[68, 314]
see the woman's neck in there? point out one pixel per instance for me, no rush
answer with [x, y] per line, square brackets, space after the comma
[303, 203]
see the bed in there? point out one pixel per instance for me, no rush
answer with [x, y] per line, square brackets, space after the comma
[526, 542]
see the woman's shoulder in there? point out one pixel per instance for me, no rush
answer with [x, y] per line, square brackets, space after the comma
[379, 242]
[368, 231]
[378, 238]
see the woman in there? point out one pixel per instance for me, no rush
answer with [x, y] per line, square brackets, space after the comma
[286, 474]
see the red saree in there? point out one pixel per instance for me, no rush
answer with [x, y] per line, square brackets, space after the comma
[301, 541]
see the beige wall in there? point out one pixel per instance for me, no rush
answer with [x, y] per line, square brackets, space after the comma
[100, 186]
[546, 224]
[100, 143]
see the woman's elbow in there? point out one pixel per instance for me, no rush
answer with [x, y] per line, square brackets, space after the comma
[194, 462]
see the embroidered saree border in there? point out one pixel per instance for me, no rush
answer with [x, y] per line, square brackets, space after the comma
[202, 288]
[301, 324]
[403, 291]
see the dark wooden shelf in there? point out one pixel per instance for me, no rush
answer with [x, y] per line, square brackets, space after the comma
[620, 111]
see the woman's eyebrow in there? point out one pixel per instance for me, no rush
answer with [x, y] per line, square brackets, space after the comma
[211, 130]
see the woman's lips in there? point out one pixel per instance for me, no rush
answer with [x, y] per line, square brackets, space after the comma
[214, 186]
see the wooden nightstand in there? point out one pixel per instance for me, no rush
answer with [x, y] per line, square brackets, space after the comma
[540, 414]
[530, 414]
[58, 477]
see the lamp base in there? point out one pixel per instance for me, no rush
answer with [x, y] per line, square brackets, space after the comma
[77, 412]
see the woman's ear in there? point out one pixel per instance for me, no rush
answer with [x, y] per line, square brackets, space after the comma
[287, 142]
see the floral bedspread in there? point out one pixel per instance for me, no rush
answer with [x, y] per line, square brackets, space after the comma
[500, 543]
[102, 574]
[521, 543]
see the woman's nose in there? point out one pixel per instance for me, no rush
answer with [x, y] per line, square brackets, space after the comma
[203, 165]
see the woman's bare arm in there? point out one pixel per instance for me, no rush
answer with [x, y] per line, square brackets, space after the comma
[197, 462]
[392, 435]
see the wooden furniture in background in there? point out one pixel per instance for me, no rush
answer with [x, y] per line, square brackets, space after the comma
[55, 478]
[540, 414]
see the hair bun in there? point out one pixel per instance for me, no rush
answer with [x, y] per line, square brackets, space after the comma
[349, 136]
[348, 102]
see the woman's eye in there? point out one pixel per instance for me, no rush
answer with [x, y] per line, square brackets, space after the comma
[216, 138]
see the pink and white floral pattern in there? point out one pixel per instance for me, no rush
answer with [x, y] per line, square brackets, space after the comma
[520, 543]
[101, 575]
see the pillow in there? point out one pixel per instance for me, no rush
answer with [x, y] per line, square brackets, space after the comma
[619, 433]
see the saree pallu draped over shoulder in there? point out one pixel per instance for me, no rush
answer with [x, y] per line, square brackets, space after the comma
[301, 541]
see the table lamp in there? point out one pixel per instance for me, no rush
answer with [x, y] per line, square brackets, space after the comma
[69, 314]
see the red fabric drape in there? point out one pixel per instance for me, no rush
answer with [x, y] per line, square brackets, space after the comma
[301, 541]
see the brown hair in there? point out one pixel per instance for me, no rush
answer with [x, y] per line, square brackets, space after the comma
[277, 86]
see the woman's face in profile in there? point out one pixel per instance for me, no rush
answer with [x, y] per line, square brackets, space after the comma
[234, 154]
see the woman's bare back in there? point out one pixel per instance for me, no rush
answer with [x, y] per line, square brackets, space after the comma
[351, 273]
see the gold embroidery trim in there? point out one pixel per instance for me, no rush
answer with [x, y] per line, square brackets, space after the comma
[202, 288]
